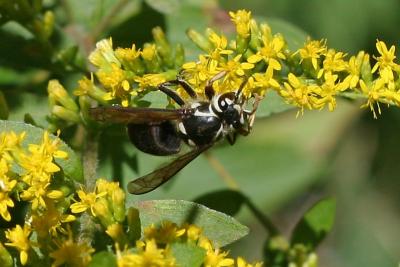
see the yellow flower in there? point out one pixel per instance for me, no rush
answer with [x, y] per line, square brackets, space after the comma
[50, 221]
[19, 239]
[35, 194]
[242, 20]
[193, 232]
[149, 52]
[385, 62]
[235, 67]
[300, 94]
[116, 232]
[214, 257]
[115, 81]
[164, 234]
[104, 55]
[10, 142]
[38, 168]
[264, 81]
[72, 253]
[87, 201]
[242, 263]
[333, 62]
[88, 87]
[373, 92]
[354, 68]
[39, 163]
[150, 80]
[6, 187]
[220, 44]
[148, 255]
[271, 51]
[127, 54]
[329, 89]
[198, 73]
[59, 96]
[312, 51]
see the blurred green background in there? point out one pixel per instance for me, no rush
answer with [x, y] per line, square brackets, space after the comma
[286, 164]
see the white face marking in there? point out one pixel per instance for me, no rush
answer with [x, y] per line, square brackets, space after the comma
[237, 107]
[182, 128]
[230, 102]
[223, 103]
[215, 103]
[190, 142]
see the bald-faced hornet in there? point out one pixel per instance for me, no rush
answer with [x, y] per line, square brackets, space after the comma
[200, 124]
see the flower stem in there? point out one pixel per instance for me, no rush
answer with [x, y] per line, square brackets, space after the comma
[90, 160]
[262, 218]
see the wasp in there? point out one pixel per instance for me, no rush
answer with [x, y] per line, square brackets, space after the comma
[199, 123]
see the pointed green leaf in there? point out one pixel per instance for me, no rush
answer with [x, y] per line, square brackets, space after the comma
[188, 255]
[226, 201]
[315, 224]
[220, 228]
[134, 231]
[71, 166]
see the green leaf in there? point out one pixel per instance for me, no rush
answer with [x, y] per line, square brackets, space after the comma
[315, 224]
[134, 231]
[188, 255]
[164, 6]
[71, 166]
[220, 228]
[225, 201]
[103, 259]
[271, 104]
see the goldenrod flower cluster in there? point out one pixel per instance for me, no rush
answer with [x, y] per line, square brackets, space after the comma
[27, 176]
[50, 232]
[125, 72]
[156, 249]
[309, 78]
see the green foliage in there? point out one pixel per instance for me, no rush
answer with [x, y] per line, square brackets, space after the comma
[188, 255]
[316, 223]
[220, 228]
[102, 259]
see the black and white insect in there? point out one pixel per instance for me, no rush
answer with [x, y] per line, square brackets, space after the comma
[198, 123]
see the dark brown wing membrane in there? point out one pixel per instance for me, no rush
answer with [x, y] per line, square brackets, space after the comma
[137, 115]
[156, 178]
